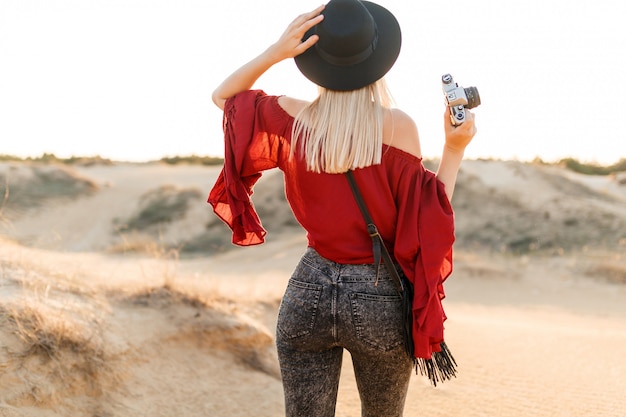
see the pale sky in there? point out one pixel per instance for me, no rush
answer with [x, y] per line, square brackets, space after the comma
[132, 79]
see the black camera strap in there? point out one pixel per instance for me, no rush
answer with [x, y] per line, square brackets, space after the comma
[378, 245]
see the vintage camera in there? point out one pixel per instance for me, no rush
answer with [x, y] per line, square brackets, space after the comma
[458, 98]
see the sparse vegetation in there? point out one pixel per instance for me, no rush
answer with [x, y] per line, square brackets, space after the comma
[48, 336]
[162, 205]
[193, 160]
[614, 274]
[50, 158]
[32, 188]
[142, 231]
[63, 348]
[593, 169]
[165, 296]
[135, 242]
[576, 216]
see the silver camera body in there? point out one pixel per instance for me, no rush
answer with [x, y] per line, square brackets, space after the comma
[458, 98]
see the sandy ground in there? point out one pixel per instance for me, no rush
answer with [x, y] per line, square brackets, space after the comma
[87, 332]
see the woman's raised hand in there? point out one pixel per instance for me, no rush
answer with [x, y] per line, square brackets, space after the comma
[288, 46]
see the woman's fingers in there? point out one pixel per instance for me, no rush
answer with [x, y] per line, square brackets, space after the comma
[301, 25]
[308, 20]
[312, 14]
[458, 137]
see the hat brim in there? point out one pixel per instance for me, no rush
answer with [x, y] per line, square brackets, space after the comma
[353, 77]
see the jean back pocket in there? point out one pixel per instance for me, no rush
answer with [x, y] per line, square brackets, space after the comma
[298, 309]
[378, 319]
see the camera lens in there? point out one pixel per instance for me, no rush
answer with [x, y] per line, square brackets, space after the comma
[446, 79]
[473, 98]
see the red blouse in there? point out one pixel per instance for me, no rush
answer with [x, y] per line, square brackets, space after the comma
[407, 203]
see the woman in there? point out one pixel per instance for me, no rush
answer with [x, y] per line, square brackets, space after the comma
[335, 299]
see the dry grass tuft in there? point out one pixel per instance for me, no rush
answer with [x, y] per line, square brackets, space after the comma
[52, 338]
[49, 337]
[166, 296]
[52, 355]
[143, 243]
[614, 274]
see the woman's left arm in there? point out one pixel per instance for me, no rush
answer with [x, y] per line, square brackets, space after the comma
[288, 46]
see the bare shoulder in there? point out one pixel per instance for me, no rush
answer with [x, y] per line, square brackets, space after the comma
[400, 131]
[291, 105]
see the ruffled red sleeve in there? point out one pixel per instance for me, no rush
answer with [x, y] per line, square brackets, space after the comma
[254, 131]
[427, 259]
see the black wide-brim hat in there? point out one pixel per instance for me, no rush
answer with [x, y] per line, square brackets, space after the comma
[359, 41]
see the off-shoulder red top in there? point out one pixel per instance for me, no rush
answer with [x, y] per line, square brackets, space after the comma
[406, 201]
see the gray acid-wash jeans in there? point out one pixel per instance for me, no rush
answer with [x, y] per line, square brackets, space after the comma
[328, 307]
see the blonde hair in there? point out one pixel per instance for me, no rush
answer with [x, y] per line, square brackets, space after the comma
[342, 130]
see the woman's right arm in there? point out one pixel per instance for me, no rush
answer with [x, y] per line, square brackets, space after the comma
[457, 139]
[288, 46]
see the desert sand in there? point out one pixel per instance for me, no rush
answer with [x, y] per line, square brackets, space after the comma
[120, 295]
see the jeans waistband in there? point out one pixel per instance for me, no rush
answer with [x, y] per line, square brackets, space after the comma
[348, 272]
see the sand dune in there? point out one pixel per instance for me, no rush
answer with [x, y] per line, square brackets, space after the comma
[120, 296]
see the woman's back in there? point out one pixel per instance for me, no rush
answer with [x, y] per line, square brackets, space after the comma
[325, 207]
